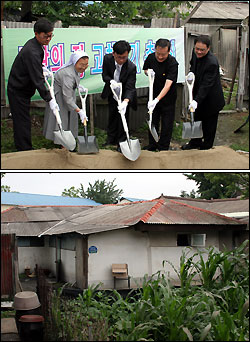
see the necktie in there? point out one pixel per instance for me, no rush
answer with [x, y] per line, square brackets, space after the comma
[117, 73]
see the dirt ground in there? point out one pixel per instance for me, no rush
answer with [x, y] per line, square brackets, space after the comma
[219, 157]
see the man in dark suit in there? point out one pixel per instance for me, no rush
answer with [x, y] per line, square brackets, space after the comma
[208, 97]
[118, 68]
[26, 75]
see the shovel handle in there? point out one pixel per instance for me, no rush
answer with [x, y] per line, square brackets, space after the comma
[58, 118]
[151, 84]
[84, 122]
[50, 87]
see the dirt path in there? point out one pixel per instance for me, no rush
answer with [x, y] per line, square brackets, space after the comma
[217, 158]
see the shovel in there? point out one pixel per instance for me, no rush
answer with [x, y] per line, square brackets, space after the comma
[86, 144]
[131, 149]
[151, 77]
[191, 129]
[64, 138]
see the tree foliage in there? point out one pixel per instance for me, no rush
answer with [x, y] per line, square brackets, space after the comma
[101, 192]
[4, 188]
[100, 13]
[219, 185]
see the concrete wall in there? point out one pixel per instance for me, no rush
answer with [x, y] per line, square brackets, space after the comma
[30, 256]
[143, 252]
[114, 247]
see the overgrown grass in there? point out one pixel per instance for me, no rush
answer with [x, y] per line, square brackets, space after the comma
[215, 311]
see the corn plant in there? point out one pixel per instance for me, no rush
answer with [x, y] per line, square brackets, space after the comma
[216, 310]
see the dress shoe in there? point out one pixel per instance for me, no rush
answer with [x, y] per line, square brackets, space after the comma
[118, 149]
[150, 148]
[205, 148]
[189, 147]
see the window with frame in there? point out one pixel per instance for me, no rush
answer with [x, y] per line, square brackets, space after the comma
[193, 240]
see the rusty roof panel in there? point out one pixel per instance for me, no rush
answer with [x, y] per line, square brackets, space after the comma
[25, 228]
[226, 205]
[40, 213]
[116, 216]
[181, 213]
[13, 215]
[35, 221]
[159, 211]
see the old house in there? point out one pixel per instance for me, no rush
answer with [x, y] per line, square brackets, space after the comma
[141, 234]
[80, 244]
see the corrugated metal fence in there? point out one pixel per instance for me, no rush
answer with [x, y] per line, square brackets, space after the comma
[8, 264]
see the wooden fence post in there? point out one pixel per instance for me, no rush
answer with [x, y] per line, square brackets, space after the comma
[242, 66]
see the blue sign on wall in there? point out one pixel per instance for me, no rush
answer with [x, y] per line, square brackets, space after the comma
[92, 249]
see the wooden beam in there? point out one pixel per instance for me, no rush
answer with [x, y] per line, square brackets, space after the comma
[242, 66]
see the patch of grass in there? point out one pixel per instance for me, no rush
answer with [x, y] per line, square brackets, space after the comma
[8, 313]
[237, 147]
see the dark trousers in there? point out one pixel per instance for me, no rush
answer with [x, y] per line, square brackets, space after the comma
[165, 114]
[115, 129]
[20, 110]
[209, 126]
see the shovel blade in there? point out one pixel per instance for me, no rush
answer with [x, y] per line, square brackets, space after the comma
[153, 132]
[66, 139]
[190, 131]
[197, 130]
[133, 153]
[87, 146]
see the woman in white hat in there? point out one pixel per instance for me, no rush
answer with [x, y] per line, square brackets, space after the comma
[66, 80]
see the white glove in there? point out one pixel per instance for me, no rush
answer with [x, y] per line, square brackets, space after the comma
[152, 104]
[82, 89]
[53, 105]
[123, 107]
[151, 72]
[190, 76]
[83, 115]
[193, 105]
[46, 72]
[114, 84]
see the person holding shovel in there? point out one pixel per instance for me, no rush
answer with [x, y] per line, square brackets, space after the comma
[165, 68]
[26, 75]
[67, 79]
[118, 68]
[208, 97]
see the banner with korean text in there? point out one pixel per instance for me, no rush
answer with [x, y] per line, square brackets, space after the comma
[96, 42]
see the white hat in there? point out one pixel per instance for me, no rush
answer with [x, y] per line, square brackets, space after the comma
[75, 56]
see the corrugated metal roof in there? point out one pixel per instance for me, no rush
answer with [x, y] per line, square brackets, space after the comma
[161, 211]
[50, 220]
[16, 198]
[222, 10]
[220, 206]
[32, 221]
[25, 229]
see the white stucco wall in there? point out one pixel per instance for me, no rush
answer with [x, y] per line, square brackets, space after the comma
[143, 252]
[115, 247]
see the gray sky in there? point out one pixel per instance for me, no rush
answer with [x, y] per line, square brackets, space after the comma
[142, 185]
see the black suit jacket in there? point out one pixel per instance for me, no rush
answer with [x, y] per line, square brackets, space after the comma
[207, 86]
[26, 73]
[127, 78]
